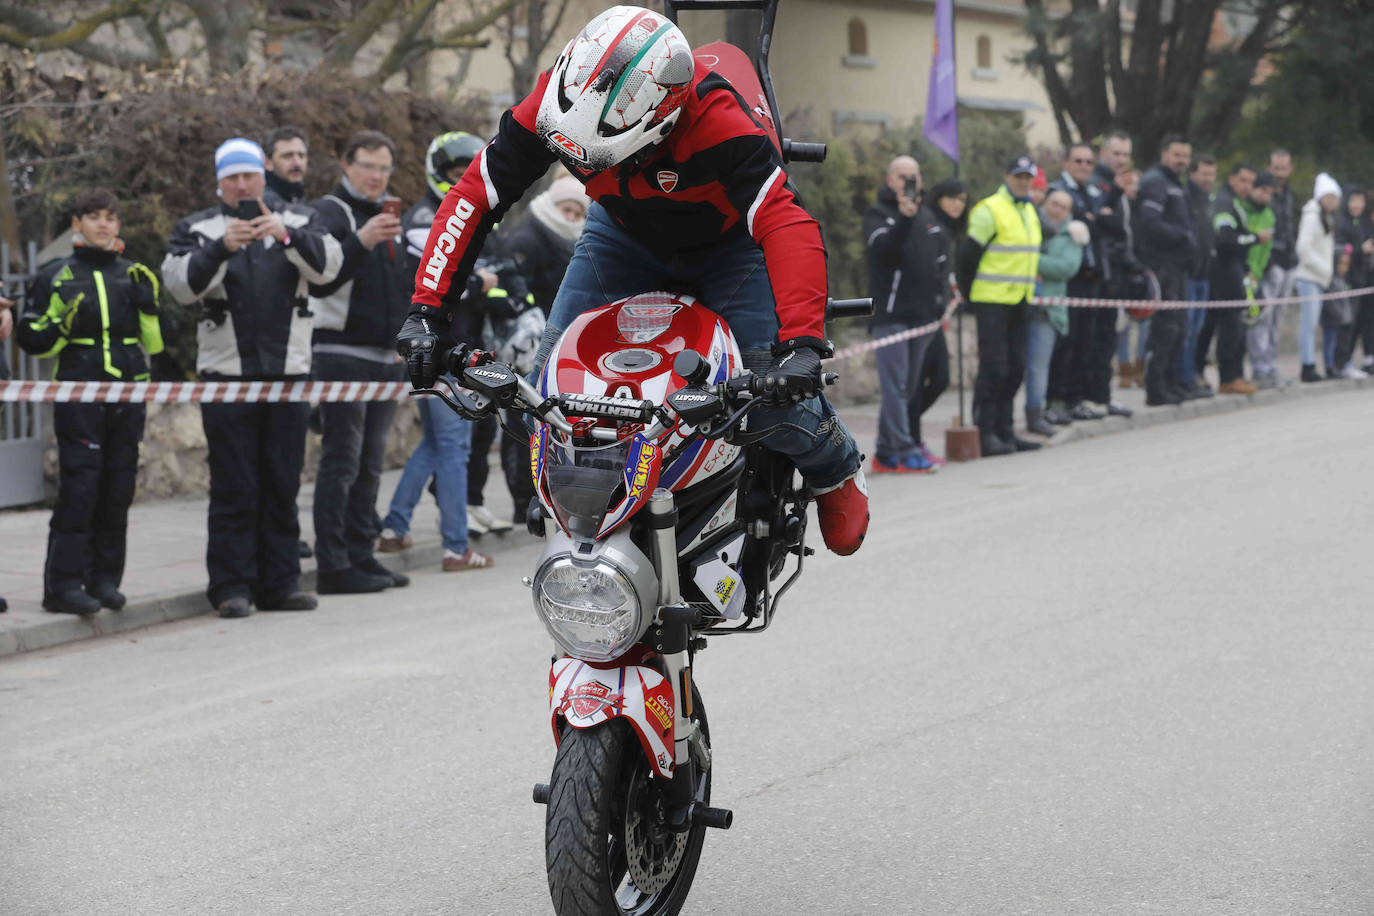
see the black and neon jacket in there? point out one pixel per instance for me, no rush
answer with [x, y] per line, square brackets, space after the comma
[366, 302]
[1231, 241]
[88, 312]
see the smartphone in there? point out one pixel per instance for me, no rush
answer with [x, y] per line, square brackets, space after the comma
[249, 210]
[910, 189]
[393, 206]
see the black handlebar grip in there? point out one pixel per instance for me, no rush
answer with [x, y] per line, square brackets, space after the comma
[796, 151]
[848, 308]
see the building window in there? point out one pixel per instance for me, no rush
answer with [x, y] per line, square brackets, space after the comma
[983, 69]
[858, 55]
[858, 38]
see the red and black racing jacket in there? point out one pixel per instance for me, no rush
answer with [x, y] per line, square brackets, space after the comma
[716, 176]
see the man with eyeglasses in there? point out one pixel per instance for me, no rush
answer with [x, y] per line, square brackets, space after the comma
[357, 315]
[1067, 366]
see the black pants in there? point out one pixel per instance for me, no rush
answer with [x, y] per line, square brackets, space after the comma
[933, 382]
[256, 453]
[1001, 364]
[352, 451]
[1167, 328]
[97, 456]
[484, 433]
[1065, 382]
[1364, 324]
[1208, 331]
[515, 462]
[1090, 346]
[1230, 343]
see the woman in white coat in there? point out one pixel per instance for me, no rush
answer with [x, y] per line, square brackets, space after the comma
[1316, 260]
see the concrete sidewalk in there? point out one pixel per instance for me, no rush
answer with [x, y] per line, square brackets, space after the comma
[165, 577]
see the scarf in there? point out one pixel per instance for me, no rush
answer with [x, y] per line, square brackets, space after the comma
[117, 246]
[543, 209]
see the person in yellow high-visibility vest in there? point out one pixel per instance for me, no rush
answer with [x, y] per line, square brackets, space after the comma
[997, 270]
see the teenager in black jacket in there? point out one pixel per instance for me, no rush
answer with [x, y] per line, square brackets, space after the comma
[97, 313]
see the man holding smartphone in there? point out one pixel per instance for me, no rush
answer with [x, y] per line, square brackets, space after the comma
[907, 264]
[357, 315]
[246, 262]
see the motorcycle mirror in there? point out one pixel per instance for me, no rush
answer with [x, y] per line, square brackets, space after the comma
[691, 367]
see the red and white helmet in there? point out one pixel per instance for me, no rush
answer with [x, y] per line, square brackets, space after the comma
[616, 90]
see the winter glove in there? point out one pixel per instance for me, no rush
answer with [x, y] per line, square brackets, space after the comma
[794, 376]
[1078, 232]
[145, 288]
[165, 368]
[69, 310]
[419, 345]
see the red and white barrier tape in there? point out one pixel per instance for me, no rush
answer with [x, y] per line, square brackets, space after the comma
[877, 343]
[1079, 302]
[201, 392]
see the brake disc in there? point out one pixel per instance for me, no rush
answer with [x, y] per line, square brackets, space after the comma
[652, 862]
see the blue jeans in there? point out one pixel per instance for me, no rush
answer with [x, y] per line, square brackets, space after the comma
[1198, 291]
[443, 455]
[731, 280]
[1123, 340]
[1040, 338]
[1307, 327]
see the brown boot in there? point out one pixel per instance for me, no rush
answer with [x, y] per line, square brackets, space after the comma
[1239, 386]
[1125, 375]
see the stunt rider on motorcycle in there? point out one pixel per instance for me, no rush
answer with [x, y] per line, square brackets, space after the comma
[691, 196]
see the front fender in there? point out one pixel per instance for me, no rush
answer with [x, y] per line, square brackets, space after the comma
[585, 697]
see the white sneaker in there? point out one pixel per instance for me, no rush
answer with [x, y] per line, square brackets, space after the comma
[488, 521]
[475, 526]
[1353, 371]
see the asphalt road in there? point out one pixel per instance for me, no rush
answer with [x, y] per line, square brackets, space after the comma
[1132, 675]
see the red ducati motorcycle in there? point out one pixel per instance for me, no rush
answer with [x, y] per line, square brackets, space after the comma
[664, 523]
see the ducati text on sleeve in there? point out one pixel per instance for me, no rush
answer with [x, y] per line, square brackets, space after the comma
[446, 242]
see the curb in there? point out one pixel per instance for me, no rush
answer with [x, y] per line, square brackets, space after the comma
[1146, 417]
[60, 629]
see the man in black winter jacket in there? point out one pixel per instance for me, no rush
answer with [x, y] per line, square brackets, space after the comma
[907, 267]
[248, 275]
[1165, 245]
[288, 158]
[357, 315]
[96, 312]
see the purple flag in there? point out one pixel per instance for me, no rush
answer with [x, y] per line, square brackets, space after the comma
[942, 118]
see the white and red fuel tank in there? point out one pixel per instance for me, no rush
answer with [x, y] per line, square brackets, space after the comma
[626, 349]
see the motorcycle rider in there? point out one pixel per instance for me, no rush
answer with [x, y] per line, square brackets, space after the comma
[690, 193]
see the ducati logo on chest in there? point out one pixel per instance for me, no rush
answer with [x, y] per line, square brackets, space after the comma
[667, 180]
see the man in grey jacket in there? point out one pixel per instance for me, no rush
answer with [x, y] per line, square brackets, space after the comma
[245, 263]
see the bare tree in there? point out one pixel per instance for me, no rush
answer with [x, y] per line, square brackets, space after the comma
[1165, 76]
[526, 30]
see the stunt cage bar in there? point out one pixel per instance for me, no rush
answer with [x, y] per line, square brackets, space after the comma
[792, 150]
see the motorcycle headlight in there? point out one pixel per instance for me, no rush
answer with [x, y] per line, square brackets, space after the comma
[592, 610]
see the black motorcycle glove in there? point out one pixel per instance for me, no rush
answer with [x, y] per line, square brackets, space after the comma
[794, 376]
[419, 345]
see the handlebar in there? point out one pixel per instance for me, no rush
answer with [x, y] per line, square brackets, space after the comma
[797, 151]
[848, 308]
[492, 384]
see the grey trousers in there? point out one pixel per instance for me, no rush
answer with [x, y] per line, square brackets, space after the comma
[352, 450]
[899, 377]
[1262, 337]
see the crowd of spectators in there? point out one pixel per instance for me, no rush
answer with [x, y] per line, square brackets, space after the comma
[284, 290]
[1102, 230]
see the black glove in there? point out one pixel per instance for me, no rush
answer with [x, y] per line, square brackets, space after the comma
[418, 343]
[794, 376]
[165, 368]
[144, 288]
